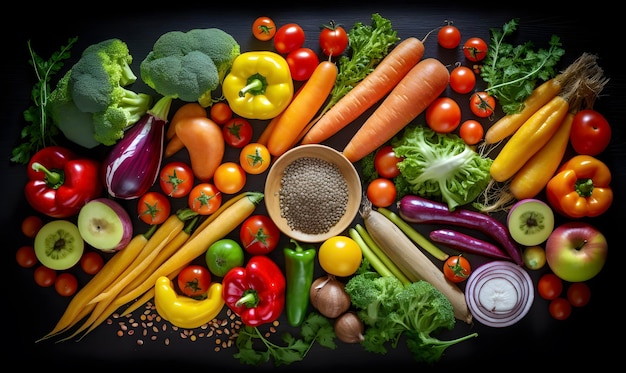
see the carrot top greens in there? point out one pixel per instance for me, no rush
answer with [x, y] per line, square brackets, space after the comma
[513, 71]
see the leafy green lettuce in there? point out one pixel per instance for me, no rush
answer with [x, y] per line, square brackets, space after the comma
[439, 166]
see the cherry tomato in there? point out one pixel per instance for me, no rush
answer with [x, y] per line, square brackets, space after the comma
[462, 79]
[578, 294]
[443, 115]
[288, 37]
[229, 177]
[590, 133]
[153, 208]
[25, 256]
[263, 28]
[457, 268]
[66, 284]
[31, 225]
[381, 192]
[259, 234]
[340, 256]
[386, 162]
[255, 158]
[176, 179]
[449, 36]
[333, 39]
[560, 308]
[475, 49]
[45, 276]
[302, 62]
[204, 199]
[194, 281]
[91, 262]
[471, 131]
[221, 113]
[237, 132]
[482, 104]
[550, 286]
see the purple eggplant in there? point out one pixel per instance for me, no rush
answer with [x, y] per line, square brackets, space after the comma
[132, 166]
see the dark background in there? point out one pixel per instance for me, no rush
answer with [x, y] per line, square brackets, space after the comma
[537, 341]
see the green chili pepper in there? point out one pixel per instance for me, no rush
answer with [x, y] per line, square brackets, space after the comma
[299, 265]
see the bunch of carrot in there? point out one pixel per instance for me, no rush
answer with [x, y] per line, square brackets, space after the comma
[538, 136]
[130, 275]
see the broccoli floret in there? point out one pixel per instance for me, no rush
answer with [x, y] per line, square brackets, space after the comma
[390, 310]
[189, 65]
[110, 124]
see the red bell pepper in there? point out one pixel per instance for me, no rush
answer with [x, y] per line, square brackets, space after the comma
[255, 293]
[60, 183]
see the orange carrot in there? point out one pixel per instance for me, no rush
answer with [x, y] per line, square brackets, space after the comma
[302, 108]
[368, 92]
[188, 110]
[267, 131]
[418, 89]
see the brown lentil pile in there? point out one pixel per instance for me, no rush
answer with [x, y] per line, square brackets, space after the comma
[313, 195]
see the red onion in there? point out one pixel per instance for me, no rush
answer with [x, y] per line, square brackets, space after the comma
[499, 293]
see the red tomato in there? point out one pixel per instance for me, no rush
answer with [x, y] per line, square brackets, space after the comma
[482, 104]
[255, 158]
[288, 37]
[578, 294]
[386, 162]
[590, 133]
[45, 276]
[381, 192]
[194, 281]
[560, 308]
[449, 36]
[221, 113]
[471, 131]
[302, 62]
[263, 28]
[333, 39]
[462, 79]
[229, 177]
[25, 256]
[153, 208]
[204, 199]
[550, 286]
[237, 132]
[443, 115]
[91, 262]
[176, 179]
[66, 284]
[259, 235]
[457, 268]
[31, 225]
[475, 49]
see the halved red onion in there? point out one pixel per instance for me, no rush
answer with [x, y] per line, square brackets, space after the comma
[499, 293]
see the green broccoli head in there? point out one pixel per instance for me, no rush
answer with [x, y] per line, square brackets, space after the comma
[110, 124]
[189, 65]
[423, 307]
[373, 294]
[119, 59]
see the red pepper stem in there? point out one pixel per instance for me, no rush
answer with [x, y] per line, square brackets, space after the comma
[250, 299]
[53, 179]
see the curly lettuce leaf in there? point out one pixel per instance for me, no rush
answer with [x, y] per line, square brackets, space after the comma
[439, 166]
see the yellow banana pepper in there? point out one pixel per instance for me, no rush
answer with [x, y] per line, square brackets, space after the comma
[186, 312]
[259, 85]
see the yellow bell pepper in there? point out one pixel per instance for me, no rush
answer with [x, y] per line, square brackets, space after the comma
[186, 312]
[259, 85]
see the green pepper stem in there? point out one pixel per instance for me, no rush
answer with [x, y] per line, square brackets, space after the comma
[255, 85]
[584, 187]
[53, 179]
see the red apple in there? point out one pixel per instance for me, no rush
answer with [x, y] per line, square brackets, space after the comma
[576, 251]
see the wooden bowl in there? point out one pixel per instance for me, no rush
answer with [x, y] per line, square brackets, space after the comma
[273, 188]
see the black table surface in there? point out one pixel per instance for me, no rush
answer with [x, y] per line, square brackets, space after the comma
[536, 341]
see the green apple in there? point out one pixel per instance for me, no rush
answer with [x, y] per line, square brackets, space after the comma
[223, 255]
[104, 224]
[576, 251]
[59, 245]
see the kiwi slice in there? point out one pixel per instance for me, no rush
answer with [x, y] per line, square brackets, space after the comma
[530, 221]
[59, 245]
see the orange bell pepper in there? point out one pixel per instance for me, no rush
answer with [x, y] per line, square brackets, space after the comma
[580, 188]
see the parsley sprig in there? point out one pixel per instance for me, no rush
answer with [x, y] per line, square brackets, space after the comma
[37, 134]
[512, 71]
[315, 328]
